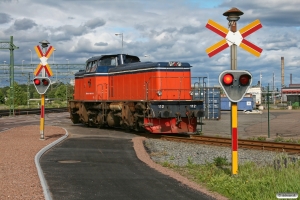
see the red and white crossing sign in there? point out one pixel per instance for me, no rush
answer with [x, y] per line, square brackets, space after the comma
[230, 38]
[43, 63]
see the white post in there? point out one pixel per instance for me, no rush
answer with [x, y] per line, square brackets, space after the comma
[207, 79]
[31, 56]
[260, 76]
[68, 64]
[122, 40]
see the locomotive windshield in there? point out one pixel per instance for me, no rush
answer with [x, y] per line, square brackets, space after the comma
[108, 61]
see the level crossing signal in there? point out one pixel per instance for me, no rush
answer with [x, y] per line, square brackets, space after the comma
[41, 84]
[230, 38]
[235, 83]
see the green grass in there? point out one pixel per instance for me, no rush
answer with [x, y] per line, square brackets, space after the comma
[251, 183]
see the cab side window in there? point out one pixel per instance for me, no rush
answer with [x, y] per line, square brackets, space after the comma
[94, 66]
[88, 66]
[113, 62]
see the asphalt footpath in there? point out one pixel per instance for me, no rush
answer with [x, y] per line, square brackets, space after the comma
[106, 168]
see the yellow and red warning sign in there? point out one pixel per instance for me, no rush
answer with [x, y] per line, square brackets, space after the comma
[230, 38]
[43, 63]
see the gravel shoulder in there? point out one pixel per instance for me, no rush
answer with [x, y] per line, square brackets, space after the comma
[18, 174]
[179, 153]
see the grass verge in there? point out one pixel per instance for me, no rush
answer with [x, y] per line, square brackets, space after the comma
[251, 183]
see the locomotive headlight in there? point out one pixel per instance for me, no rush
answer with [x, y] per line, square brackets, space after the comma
[159, 93]
[193, 106]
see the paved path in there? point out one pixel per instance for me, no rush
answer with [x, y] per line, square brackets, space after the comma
[102, 164]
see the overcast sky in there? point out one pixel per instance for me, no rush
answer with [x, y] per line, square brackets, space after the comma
[165, 30]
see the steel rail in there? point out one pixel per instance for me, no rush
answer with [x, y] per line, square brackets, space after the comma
[32, 111]
[242, 143]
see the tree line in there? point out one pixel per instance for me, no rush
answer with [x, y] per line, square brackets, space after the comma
[57, 91]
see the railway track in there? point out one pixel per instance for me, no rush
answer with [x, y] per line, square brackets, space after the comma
[208, 140]
[245, 144]
[32, 111]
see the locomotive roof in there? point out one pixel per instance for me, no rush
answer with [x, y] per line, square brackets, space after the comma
[131, 63]
[144, 65]
[110, 55]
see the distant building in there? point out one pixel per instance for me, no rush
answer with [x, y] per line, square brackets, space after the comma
[72, 82]
[255, 91]
[291, 93]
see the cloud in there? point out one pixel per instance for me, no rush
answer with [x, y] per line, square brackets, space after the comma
[101, 44]
[271, 12]
[24, 24]
[4, 18]
[162, 29]
[72, 30]
[190, 30]
[95, 23]
[67, 32]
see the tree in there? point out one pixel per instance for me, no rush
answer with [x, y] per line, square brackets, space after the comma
[51, 93]
[20, 97]
[61, 92]
[70, 90]
[2, 97]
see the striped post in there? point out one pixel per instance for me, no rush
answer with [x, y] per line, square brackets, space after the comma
[42, 121]
[234, 138]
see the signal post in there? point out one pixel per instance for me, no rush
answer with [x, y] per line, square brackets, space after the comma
[235, 83]
[42, 83]
[233, 17]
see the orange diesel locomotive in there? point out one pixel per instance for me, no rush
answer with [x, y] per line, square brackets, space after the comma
[121, 91]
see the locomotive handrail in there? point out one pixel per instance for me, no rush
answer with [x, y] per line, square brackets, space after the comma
[102, 91]
[146, 91]
[198, 89]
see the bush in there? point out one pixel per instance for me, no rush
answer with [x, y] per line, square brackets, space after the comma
[221, 161]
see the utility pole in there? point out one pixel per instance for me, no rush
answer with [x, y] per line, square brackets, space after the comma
[28, 94]
[10, 45]
[273, 93]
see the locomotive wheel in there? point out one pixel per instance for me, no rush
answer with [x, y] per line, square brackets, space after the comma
[126, 128]
[101, 121]
[91, 124]
[75, 118]
[101, 126]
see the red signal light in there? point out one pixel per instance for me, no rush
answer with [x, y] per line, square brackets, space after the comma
[228, 79]
[244, 79]
[41, 84]
[37, 81]
[45, 82]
